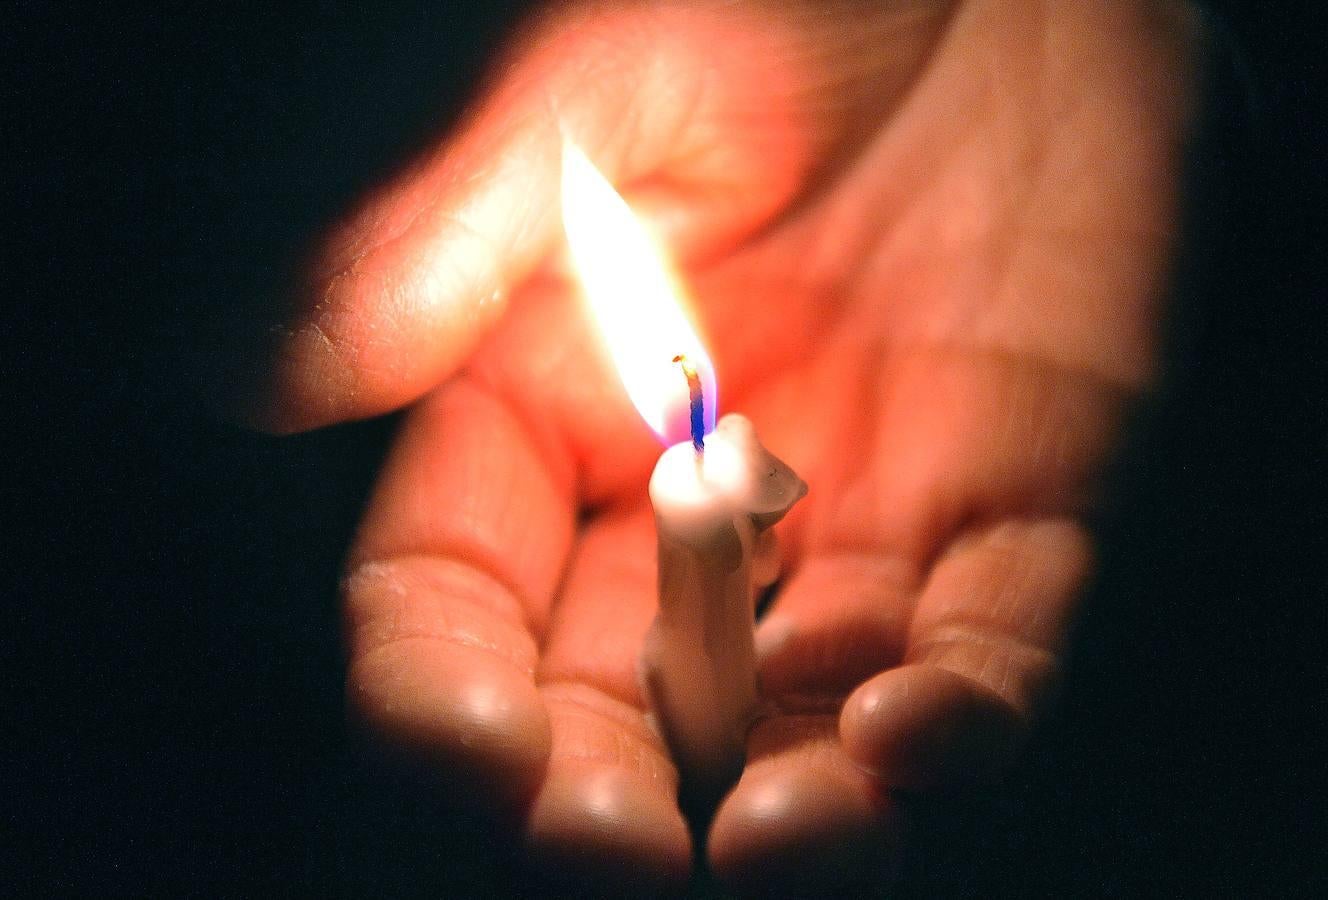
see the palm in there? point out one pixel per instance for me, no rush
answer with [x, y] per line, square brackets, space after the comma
[934, 319]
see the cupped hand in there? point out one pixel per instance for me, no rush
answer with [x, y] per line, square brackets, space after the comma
[927, 245]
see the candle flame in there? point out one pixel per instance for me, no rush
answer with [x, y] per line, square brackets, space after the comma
[634, 299]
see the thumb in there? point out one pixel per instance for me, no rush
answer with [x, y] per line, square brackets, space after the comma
[399, 295]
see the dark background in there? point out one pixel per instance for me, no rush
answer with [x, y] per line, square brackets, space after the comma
[175, 718]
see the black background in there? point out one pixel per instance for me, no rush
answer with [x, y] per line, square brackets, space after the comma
[175, 718]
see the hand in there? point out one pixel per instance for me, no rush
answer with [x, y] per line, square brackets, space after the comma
[927, 245]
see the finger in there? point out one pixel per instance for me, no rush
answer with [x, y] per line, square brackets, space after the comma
[606, 605]
[804, 810]
[804, 820]
[605, 813]
[841, 618]
[608, 805]
[401, 294]
[981, 656]
[451, 579]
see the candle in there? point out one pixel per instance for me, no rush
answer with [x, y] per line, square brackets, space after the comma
[715, 491]
[713, 509]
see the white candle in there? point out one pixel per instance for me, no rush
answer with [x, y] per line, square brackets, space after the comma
[713, 509]
[715, 492]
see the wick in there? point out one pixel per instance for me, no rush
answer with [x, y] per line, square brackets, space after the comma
[697, 402]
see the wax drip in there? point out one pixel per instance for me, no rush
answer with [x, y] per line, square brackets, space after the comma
[696, 400]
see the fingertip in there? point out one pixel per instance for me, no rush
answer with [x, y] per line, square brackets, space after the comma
[378, 341]
[923, 727]
[471, 717]
[602, 827]
[308, 387]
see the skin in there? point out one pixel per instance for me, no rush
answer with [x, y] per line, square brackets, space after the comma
[927, 245]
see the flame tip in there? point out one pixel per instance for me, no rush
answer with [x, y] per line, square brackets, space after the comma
[634, 299]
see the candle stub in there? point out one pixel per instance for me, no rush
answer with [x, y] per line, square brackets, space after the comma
[712, 515]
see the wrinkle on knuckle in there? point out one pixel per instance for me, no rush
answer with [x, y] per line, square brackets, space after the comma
[1015, 671]
[593, 728]
[389, 603]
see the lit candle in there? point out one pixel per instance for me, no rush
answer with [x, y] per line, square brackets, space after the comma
[715, 491]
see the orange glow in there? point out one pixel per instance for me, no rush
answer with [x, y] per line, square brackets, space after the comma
[634, 299]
